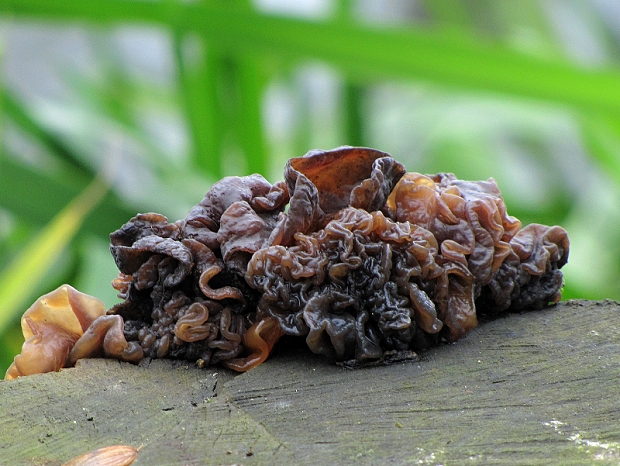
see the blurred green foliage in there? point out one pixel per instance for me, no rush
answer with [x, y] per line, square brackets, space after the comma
[475, 87]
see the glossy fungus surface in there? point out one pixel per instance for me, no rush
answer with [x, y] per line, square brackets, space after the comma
[350, 252]
[51, 328]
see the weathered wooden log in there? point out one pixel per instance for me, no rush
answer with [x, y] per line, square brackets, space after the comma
[532, 388]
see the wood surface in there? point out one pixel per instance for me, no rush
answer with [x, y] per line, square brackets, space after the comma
[535, 388]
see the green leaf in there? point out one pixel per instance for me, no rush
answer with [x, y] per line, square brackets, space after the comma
[34, 261]
[352, 114]
[24, 119]
[199, 80]
[448, 59]
[37, 197]
[601, 133]
[250, 129]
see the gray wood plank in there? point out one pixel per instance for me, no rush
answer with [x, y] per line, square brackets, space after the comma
[525, 389]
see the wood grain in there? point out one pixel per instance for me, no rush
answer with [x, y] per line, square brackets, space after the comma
[533, 388]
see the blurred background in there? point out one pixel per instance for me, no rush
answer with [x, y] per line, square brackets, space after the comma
[155, 100]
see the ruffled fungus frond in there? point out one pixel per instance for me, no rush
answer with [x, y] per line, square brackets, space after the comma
[349, 252]
[259, 340]
[105, 337]
[51, 326]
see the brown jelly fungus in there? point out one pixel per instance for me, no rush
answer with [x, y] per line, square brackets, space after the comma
[350, 252]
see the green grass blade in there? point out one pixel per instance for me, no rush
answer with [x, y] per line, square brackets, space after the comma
[34, 261]
[198, 82]
[250, 128]
[363, 52]
[601, 134]
[24, 119]
[36, 197]
[353, 114]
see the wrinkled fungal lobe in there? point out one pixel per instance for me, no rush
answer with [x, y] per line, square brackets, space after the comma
[349, 251]
[366, 259]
